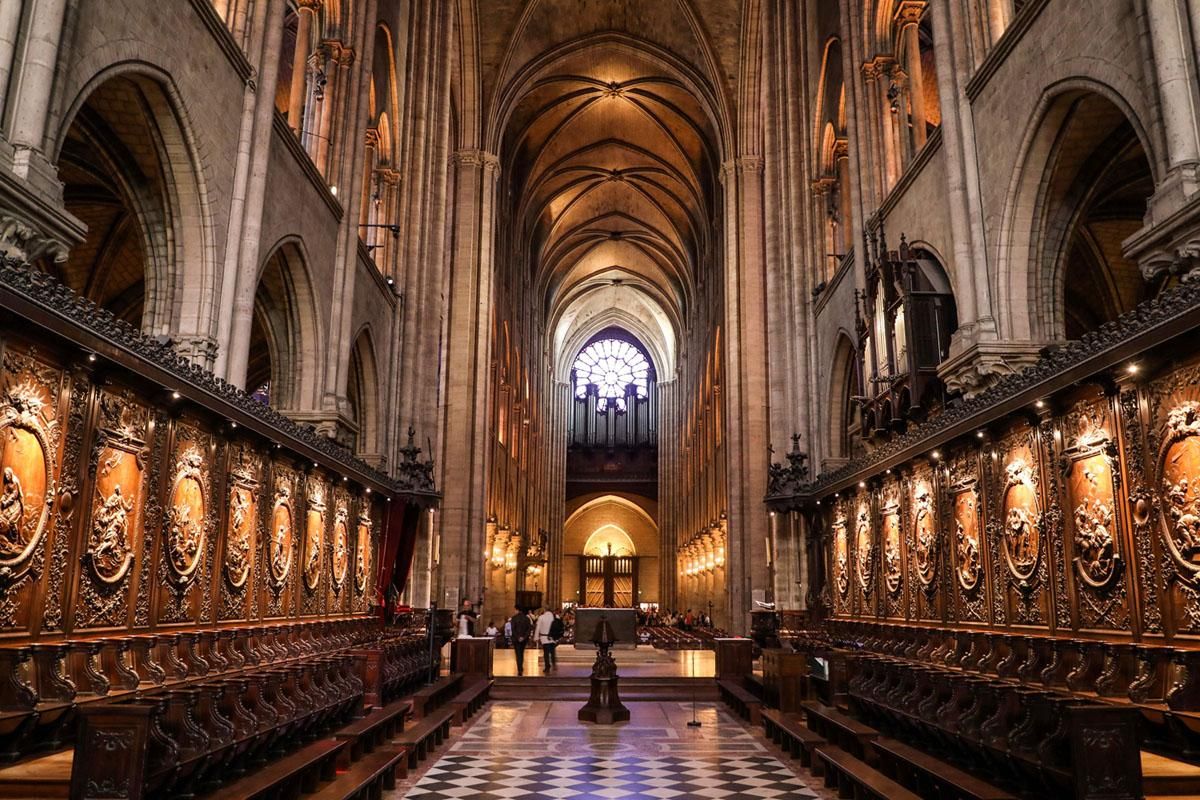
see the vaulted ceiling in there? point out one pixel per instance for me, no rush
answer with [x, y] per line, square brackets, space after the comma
[610, 125]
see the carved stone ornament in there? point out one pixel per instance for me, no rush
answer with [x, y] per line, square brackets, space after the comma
[966, 538]
[341, 545]
[893, 572]
[362, 560]
[1178, 469]
[1022, 531]
[27, 434]
[314, 534]
[925, 541]
[841, 556]
[279, 547]
[243, 503]
[864, 548]
[187, 515]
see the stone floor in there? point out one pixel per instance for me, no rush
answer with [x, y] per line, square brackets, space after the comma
[538, 749]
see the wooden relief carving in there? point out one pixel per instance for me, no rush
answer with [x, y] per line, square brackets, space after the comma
[841, 555]
[893, 572]
[864, 547]
[314, 533]
[243, 515]
[341, 544]
[279, 549]
[1178, 469]
[966, 538]
[187, 514]
[28, 443]
[115, 529]
[1022, 532]
[1095, 549]
[925, 535]
[364, 546]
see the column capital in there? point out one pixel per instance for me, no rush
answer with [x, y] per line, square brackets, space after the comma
[308, 5]
[909, 12]
[474, 157]
[742, 165]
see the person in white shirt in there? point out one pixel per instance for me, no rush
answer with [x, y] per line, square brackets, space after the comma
[492, 630]
[545, 621]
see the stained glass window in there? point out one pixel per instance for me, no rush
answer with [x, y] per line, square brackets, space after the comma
[612, 364]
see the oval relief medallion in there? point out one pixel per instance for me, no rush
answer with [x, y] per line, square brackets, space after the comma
[26, 478]
[362, 561]
[841, 560]
[924, 534]
[186, 516]
[1179, 471]
[279, 551]
[241, 535]
[1022, 535]
[341, 546]
[865, 547]
[314, 536]
[966, 538]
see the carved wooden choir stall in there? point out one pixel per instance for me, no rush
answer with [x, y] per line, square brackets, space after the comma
[189, 580]
[1011, 588]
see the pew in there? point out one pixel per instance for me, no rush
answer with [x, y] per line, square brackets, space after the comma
[374, 729]
[794, 736]
[932, 777]
[422, 738]
[854, 778]
[469, 700]
[839, 729]
[435, 694]
[368, 778]
[745, 703]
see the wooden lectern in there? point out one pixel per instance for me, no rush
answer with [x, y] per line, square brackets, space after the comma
[472, 656]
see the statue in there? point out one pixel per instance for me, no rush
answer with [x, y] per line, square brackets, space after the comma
[12, 514]
[110, 548]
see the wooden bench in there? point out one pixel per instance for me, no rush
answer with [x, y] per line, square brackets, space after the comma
[854, 778]
[840, 729]
[745, 703]
[932, 776]
[430, 697]
[370, 731]
[790, 733]
[469, 700]
[289, 776]
[422, 738]
[367, 778]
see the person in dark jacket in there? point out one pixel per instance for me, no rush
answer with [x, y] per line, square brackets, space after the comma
[521, 629]
[557, 629]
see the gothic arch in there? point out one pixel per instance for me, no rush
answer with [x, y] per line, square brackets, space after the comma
[362, 392]
[843, 413]
[1084, 175]
[127, 159]
[285, 338]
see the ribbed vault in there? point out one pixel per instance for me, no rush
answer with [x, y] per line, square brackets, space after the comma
[611, 158]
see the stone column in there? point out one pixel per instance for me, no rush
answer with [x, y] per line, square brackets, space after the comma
[908, 17]
[873, 131]
[1000, 14]
[35, 81]
[240, 273]
[1175, 64]
[886, 68]
[10, 27]
[467, 349]
[307, 12]
[747, 420]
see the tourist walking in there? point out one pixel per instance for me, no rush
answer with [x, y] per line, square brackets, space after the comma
[520, 627]
[544, 624]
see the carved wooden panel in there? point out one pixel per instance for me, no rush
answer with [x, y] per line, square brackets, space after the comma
[891, 538]
[280, 546]
[242, 530]
[364, 549]
[865, 552]
[968, 559]
[1017, 531]
[840, 569]
[339, 553]
[925, 544]
[1175, 404]
[113, 541]
[31, 441]
[1094, 522]
[189, 524]
[313, 544]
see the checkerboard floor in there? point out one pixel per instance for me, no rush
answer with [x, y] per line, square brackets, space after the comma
[495, 777]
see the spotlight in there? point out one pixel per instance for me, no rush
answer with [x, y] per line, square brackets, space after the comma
[174, 395]
[862, 485]
[936, 455]
[333, 190]
[1132, 369]
[978, 434]
[91, 358]
[1039, 403]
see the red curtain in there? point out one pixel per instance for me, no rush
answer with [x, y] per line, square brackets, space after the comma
[399, 544]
